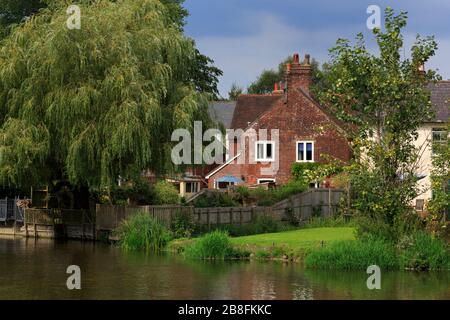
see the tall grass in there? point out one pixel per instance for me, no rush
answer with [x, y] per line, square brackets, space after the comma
[142, 232]
[354, 255]
[215, 245]
[423, 252]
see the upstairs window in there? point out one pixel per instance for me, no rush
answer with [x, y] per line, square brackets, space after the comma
[440, 136]
[305, 151]
[265, 151]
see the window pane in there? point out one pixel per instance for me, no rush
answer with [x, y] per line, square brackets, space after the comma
[269, 151]
[309, 152]
[260, 151]
[188, 187]
[300, 151]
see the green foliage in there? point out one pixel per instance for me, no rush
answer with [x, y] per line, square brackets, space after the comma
[142, 232]
[265, 224]
[182, 225]
[421, 251]
[215, 199]
[264, 197]
[75, 106]
[15, 11]
[214, 245]
[331, 222]
[354, 255]
[312, 172]
[384, 100]
[235, 92]
[439, 206]
[166, 193]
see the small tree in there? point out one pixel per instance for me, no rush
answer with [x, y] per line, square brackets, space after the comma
[384, 99]
[438, 207]
[235, 92]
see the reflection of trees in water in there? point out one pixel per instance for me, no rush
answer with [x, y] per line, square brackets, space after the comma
[37, 270]
[394, 285]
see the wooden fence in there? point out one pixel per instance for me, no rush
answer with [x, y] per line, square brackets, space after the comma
[314, 202]
[87, 225]
[54, 223]
[9, 210]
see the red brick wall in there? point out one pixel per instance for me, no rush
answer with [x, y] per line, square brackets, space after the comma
[298, 119]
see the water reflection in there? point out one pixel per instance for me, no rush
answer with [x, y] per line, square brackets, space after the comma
[36, 269]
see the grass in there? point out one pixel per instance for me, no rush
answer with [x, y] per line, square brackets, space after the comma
[291, 244]
[212, 246]
[423, 252]
[297, 239]
[354, 255]
[142, 232]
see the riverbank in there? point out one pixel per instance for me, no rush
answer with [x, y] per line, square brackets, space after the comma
[288, 245]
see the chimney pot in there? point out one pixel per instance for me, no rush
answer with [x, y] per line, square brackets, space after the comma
[307, 59]
[296, 58]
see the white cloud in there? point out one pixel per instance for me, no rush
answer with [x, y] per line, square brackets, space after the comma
[242, 58]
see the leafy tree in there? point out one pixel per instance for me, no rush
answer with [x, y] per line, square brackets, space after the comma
[385, 99]
[235, 92]
[203, 72]
[94, 104]
[439, 206]
[166, 193]
[15, 11]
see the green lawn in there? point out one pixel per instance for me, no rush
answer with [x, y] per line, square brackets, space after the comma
[297, 239]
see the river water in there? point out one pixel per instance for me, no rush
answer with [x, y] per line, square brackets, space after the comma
[36, 269]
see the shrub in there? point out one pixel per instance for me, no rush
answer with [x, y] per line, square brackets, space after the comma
[331, 222]
[214, 245]
[374, 227]
[354, 255]
[142, 232]
[215, 199]
[265, 224]
[166, 193]
[423, 252]
[182, 225]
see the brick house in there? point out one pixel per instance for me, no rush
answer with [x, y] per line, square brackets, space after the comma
[277, 130]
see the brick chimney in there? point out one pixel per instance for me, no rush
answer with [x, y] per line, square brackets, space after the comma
[299, 75]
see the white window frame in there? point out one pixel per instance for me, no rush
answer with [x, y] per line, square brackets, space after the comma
[265, 143]
[266, 179]
[304, 150]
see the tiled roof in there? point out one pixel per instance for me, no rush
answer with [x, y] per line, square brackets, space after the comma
[222, 112]
[440, 99]
[249, 107]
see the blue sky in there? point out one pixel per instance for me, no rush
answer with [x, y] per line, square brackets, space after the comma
[246, 36]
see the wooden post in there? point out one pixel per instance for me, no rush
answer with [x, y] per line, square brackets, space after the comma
[240, 217]
[329, 202]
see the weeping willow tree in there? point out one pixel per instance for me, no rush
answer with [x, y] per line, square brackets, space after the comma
[98, 103]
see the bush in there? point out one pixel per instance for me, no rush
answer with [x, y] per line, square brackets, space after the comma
[374, 227]
[423, 252]
[214, 245]
[182, 225]
[166, 193]
[265, 224]
[354, 255]
[142, 232]
[215, 199]
[332, 222]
